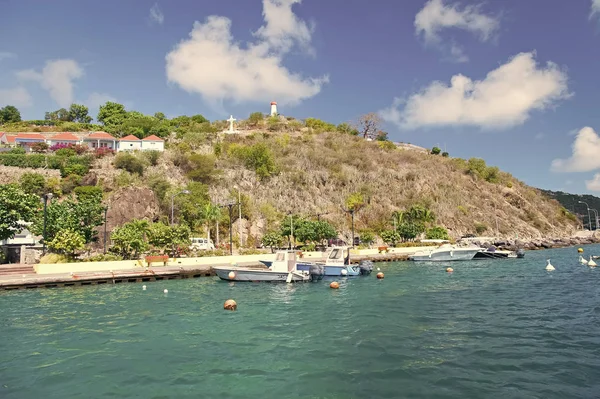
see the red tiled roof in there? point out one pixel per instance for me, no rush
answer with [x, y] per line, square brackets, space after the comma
[100, 136]
[11, 139]
[131, 137]
[30, 136]
[153, 138]
[2, 134]
[64, 137]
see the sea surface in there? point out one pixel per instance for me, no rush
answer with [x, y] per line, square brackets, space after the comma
[491, 329]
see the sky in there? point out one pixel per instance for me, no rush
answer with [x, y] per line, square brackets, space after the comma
[509, 81]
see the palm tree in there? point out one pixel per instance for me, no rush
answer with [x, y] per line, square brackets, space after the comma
[397, 218]
[210, 212]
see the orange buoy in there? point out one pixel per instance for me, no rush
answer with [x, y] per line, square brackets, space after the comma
[335, 285]
[449, 269]
[380, 275]
[231, 275]
[230, 304]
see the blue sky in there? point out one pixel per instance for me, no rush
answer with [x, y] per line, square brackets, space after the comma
[510, 81]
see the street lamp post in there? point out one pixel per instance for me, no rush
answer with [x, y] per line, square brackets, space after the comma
[240, 216]
[172, 205]
[596, 215]
[46, 198]
[352, 215]
[105, 212]
[589, 217]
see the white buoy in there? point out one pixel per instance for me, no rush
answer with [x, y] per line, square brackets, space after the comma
[166, 291]
[582, 260]
[144, 287]
[344, 272]
[549, 266]
[591, 263]
[378, 269]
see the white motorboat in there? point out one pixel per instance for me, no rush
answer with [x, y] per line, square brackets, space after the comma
[283, 269]
[445, 253]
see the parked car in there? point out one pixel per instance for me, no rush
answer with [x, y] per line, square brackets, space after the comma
[202, 244]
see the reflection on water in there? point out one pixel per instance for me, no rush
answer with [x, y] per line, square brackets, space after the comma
[504, 328]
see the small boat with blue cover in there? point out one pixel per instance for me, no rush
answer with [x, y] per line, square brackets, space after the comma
[283, 269]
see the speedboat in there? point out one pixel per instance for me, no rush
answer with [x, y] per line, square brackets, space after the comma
[283, 269]
[445, 253]
[493, 253]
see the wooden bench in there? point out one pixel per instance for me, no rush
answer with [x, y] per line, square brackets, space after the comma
[383, 249]
[157, 258]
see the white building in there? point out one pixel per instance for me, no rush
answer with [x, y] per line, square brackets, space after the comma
[129, 143]
[100, 140]
[274, 108]
[63, 138]
[153, 143]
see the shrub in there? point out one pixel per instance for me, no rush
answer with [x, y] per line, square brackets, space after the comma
[390, 237]
[480, 228]
[445, 154]
[67, 242]
[437, 233]
[103, 151]
[73, 169]
[53, 186]
[152, 157]
[64, 151]
[103, 258]
[55, 258]
[33, 183]
[386, 145]
[23, 161]
[202, 168]
[255, 118]
[319, 125]
[130, 163]
[257, 157]
[436, 150]
[83, 192]
[39, 147]
[17, 150]
[80, 149]
[69, 183]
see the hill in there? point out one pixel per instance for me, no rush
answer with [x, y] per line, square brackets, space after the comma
[575, 204]
[281, 169]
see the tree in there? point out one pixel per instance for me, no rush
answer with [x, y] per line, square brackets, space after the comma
[272, 239]
[111, 114]
[202, 167]
[210, 213]
[165, 237]
[40, 147]
[418, 213]
[381, 136]
[255, 118]
[368, 125]
[67, 242]
[58, 115]
[390, 237]
[160, 116]
[199, 119]
[32, 183]
[436, 150]
[355, 201]
[410, 230]
[78, 213]
[9, 114]
[15, 206]
[445, 154]
[79, 113]
[129, 240]
[346, 129]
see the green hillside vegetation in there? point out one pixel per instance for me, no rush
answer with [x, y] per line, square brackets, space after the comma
[311, 173]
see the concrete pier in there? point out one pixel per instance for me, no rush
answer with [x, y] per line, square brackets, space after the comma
[81, 274]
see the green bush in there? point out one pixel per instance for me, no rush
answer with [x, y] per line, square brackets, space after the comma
[65, 152]
[257, 157]
[437, 233]
[69, 183]
[103, 258]
[73, 169]
[17, 150]
[130, 163]
[202, 167]
[386, 145]
[55, 258]
[83, 192]
[152, 157]
[436, 150]
[32, 183]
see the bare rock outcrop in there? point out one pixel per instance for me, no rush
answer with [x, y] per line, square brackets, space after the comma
[12, 174]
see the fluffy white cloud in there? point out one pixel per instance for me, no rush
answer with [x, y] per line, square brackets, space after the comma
[586, 148]
[504, 98]
[595, 8]
[57, 77]
[436, 16]
[19, 97]
[594, 184]
[213, 65]
[156, 14]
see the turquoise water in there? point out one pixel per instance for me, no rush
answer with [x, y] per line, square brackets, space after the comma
[492, 329]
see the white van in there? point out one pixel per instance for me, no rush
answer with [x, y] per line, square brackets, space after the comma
[202, 244]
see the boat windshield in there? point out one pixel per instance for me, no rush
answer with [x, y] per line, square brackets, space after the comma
[280, 257]
[335, 254]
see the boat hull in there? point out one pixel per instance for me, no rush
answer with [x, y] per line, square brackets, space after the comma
[445, 256]
[330, 271]
[249, 275]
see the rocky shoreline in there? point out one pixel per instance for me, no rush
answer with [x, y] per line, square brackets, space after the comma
[546, 243]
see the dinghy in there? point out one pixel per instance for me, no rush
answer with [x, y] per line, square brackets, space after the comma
[283, 269]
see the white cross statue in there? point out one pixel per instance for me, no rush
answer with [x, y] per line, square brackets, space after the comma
[231, 120]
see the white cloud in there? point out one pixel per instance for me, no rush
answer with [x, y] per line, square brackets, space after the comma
[19, 97]
[504, 98]
[156, 14]
[213, 65]
[595, 8]
[586, 148]
[436, 16]
[594, 184]
[57, 77]
[95, 100]
[457, 54]
[5, 55]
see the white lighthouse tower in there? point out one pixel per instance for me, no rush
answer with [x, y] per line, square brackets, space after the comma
[273, 108]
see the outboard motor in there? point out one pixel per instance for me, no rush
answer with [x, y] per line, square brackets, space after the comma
[366, 267]
[316, 272]
[520, 253]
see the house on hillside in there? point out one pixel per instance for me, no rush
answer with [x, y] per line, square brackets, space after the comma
[101, 140]
[63, 138]
[129, 143]
[153, 143]
[27, 139]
